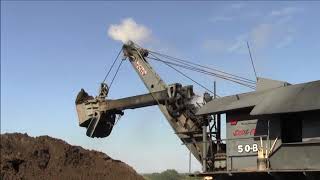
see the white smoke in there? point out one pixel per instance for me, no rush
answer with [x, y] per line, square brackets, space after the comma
[127, 30]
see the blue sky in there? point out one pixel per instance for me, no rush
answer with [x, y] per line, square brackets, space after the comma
[50, 50]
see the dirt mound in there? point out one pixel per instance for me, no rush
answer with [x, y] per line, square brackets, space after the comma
[24, 157]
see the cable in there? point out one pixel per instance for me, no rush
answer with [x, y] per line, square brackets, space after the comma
[112, 66]
[227, 76]
[224, 75]
[205, 72]
[115, 74]
[254, 69]
[201, 69]
[189, 62]
[184, 74]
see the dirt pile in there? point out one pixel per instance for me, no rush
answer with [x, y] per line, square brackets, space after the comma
[24, 157]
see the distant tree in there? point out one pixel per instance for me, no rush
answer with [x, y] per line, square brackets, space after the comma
[169, 174]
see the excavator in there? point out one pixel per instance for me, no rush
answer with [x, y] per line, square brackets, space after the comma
[271, 132]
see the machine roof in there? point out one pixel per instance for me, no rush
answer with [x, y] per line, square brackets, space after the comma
[275, 100]
[295, 98]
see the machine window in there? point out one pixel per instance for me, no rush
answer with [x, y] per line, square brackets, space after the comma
[291, 130]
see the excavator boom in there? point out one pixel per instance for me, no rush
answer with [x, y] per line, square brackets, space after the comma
[174, 101]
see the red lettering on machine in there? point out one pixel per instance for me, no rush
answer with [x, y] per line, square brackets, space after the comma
[243, 132]
[140, 68]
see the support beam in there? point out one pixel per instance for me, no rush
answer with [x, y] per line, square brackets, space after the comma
[204, 148]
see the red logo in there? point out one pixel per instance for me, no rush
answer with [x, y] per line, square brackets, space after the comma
[140, 68]
[233, 122]
[244, 132]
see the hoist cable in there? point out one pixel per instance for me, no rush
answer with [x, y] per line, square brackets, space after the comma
[114, 61]
[225, 74]
[204, 72]
[184, 75]
[200, 68]
[207, 73]
[188, 63]
[115, 74]
[195, 64]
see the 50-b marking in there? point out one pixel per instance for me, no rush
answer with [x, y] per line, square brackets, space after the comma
[247, 148]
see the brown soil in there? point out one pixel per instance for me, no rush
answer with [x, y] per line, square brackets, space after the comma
[44, 157]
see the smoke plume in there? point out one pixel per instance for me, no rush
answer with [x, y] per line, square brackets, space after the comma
[127, 30]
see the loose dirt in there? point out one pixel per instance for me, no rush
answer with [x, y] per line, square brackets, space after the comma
[44, 157]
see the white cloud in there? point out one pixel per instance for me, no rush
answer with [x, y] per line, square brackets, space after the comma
[285, 11]
[271, 34]
[275, 30]
[284, 15]
[262, 34]
[259, 37]
[284, 19]
[215, 46]
[239, 44]
[225, 16]
[285, 42]
[127, 30]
